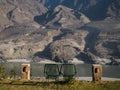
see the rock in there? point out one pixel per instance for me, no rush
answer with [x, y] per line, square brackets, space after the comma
[27, 29]
[62, 16]
[10, 51]
[63, 50]
[94, 9]
[113, 10]
[19, 11]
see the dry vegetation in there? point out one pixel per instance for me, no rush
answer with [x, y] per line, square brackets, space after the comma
[62, 85]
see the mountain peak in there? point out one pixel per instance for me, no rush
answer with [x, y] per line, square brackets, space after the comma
[63, 16]
[61, 7]
[94, 9]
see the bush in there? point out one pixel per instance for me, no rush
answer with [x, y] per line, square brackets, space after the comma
[2, 72]
[12, 74]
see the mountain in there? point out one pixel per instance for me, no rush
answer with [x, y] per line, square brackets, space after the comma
[63, 17]
[19, 11]
[94, 9]
[18, 30]
[86, 30]
[103, 38]
[114, 9]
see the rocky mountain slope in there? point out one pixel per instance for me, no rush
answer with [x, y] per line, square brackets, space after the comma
[62, 16]
[63, 33]
[94, 9]
[106, 38]
[16, 23]
[19, 11]
[23, 40]
[114, 9]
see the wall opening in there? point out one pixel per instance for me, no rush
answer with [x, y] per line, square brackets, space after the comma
[24, 69]
[96, 70]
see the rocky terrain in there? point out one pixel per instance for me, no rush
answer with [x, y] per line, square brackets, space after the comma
[16, 23]
[63, 17]
[94, 9]
[86, 30]
[19, 11]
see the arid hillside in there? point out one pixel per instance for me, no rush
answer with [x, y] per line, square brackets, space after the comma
[19, 11]
[32, 30]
